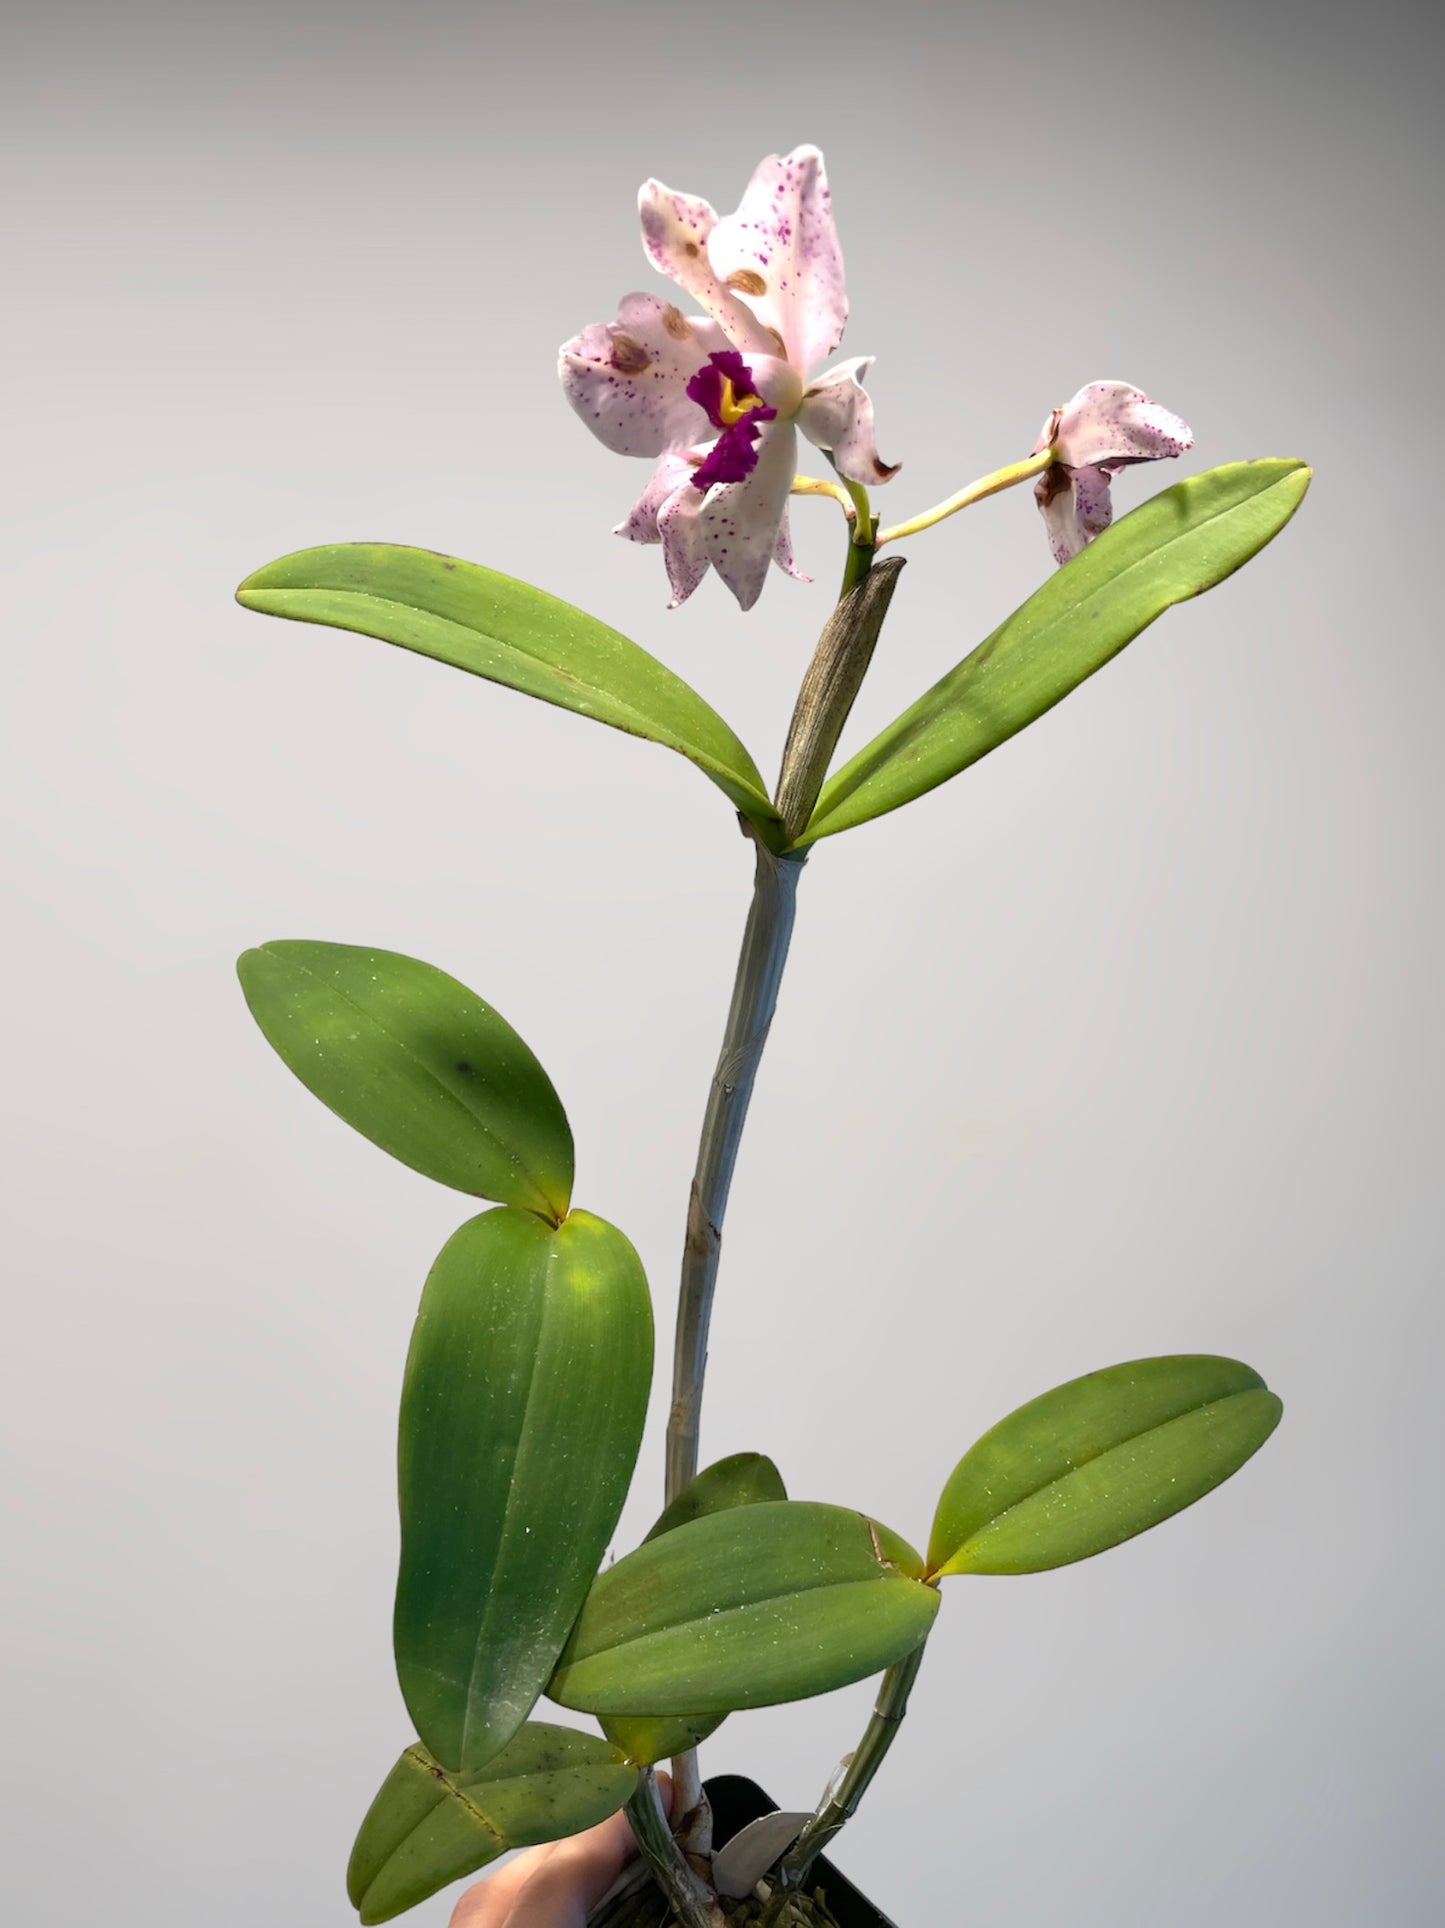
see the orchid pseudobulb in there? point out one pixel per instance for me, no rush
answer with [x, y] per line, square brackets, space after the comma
[717, 399]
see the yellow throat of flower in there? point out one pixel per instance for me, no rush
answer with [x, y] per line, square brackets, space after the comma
[731, 409]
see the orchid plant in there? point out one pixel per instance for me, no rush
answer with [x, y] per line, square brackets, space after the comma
[527, 1381]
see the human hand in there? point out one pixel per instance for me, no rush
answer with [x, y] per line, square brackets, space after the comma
[553, 1886]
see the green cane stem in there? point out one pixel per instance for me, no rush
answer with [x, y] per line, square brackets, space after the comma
[832, 682]
[841, 1803]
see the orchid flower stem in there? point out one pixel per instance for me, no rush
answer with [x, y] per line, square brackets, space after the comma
[815, 485]
[1005, 478]
[863, 542]
[840, 1802]
[686, 1894]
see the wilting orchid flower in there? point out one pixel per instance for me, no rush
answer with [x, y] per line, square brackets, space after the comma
[719, 399]
[1107, 426]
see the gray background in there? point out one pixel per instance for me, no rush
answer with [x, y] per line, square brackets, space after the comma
[1126, 1042]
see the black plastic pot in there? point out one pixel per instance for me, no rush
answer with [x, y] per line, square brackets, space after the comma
[736, 1800]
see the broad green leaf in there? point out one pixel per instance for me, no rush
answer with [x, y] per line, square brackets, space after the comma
[1098, 1460]
[1174, 546]
[427, 1828]
[418, 1064]
[648, 1738]
[521, 1413]
[744, 1479]
[493, 626]
[745, 1608]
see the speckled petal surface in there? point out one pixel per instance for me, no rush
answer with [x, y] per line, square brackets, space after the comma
[741, 520]
[675, 231]
[1113, 422]
[1093, 505]
[684, 545]
[628, 379]
[672, 472]
[783, 551]
[837, 415]
[780, 253]
[1054, 493]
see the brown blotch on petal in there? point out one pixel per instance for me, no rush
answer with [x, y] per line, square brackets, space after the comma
[782, 345]
[691, 248]
[885, 470]
[629, 357]
[747, 281]
[675, 322]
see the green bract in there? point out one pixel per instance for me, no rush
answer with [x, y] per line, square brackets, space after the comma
[745, 1608]
[1098, 1460]
[427, 1828]
[522, 1408]
[511, 633]
[1174, 546]
[418, 1064]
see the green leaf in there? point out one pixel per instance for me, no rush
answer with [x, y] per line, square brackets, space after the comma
[521, 1414]
[1098, 1460]
[745, 1608]
[744, 1479]
[493, 626]
[1174, 546]
[427, 1827]
[648, 1738]
[418, 1064]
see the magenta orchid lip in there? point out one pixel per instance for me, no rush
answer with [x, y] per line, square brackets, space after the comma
[724, 389]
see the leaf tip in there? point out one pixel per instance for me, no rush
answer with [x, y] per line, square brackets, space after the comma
[249, 586]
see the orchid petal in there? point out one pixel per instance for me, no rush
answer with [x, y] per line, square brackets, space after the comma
[684, 546]
[628, 379]
[741, 520]
[1112, 422]
[783, 551]
[667, 511]
[1054, 493]
[1076, 507]
[1093, 506]
[837, 415]
[674, 470]
[675, 230]
[780, 253]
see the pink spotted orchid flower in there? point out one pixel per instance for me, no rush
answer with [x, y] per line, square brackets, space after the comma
[717, 400]
[1107, 426]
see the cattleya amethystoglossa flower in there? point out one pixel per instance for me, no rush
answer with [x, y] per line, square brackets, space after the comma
[718, 399]
[1107, 426]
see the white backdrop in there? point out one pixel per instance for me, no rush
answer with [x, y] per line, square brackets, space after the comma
[1126, 1042]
